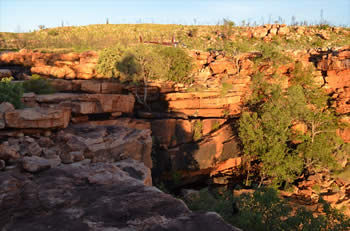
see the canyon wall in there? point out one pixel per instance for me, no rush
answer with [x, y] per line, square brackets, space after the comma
[190, 124]
[190, 128]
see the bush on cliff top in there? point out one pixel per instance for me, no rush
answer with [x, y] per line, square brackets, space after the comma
[11, 92]
[178, 64]
[145, 61]
[108, 60]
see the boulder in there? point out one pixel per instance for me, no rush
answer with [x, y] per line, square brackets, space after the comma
[38, 118]
[4, 107]
[222, 66]
[8, 153]
[338, 79]
[105, 144]
[94, 197]
[35, 164]
[283, 30]
[136, 170]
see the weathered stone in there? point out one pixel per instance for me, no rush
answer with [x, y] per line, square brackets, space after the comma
[2, 121]
[67, 157]
[6, 107]
[72, 56]
[2, 165]
[78, 155]
[62, 85]
[107, 143]
[38, 118]
[8, 152]
[171, 132]
[101, 103]
[54, 161]
[91, 86]
[227, 166]
[210, 125]
[35, 164]
[136, 170]
[94, 197]
[338, 79]
[111, 88]
[283, 31]
[222, 66]
[204, 103]
[260, 32]
[56, 98]
[164, 131]
[34, 149]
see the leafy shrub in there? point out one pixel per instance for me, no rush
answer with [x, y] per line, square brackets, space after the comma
[226, 87]
[215, 126]
[265, 210]
[38, 85]
[108, 60]
[11, 92]
[52, 32]
[197, 130]
[179, 64]
[143, 62]
[271, 52]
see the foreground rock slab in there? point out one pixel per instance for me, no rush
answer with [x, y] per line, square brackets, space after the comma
[93, 197]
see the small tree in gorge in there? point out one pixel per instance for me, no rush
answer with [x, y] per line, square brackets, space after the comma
[268, 133]
[142, 63]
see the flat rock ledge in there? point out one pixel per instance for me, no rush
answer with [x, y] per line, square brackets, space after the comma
[96, 197]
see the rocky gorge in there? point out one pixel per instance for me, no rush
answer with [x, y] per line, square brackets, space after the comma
[84, 154]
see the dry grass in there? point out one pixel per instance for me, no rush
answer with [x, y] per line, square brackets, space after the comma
[97, 37]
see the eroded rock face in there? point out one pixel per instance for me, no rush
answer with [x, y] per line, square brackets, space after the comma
[8, 153]
[4, 107]
[107, 143]
[85, 103]
[93, 197]
[38, 118]
[35, 164]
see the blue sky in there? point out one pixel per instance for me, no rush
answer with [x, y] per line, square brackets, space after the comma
[25, 15]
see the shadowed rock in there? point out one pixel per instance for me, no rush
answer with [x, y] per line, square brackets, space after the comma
[93, 197]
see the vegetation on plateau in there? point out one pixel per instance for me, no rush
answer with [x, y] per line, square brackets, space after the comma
[200, 37]
[144, 62]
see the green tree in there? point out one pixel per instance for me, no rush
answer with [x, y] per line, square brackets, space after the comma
[178, 64]
[267, 134]
[108, 60]
[265, 210]
[11, 92]
[140, 64]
